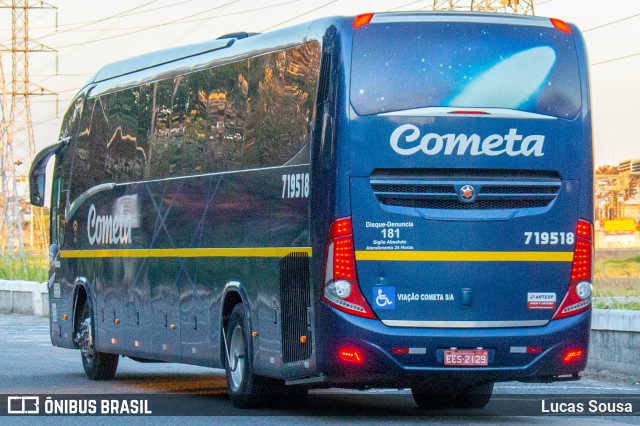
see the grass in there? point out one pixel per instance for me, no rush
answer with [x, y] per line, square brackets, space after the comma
[630, 306]
[617, 277]
[26, 268]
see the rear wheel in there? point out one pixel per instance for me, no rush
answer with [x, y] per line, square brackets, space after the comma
[432, 397]
[288, 396]
[439, 396]
[246, 389]
[97, 365]
[476, 396]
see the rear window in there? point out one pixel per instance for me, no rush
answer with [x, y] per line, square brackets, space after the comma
[400, 66]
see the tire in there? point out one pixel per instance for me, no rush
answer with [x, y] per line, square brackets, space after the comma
[439, 397]
[476, 396]
[433, 397]
[246, 390]
[97, 365]
[288, 396]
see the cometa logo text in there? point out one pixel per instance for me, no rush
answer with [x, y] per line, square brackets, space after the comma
[406, 140]
[108, 229]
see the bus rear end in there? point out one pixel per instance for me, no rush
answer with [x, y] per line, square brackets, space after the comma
[465, 257]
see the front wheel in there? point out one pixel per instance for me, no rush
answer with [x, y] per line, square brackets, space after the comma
[97, 365]
[246, 389]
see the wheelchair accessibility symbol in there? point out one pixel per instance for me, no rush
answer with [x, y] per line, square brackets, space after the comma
[384, 297]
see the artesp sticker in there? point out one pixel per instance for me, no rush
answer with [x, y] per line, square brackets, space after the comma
[541, 300]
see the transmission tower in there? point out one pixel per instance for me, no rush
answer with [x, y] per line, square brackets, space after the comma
[523, 7]
[18, 147]
[10, 230]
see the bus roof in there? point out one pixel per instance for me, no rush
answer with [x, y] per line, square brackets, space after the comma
[153, 59]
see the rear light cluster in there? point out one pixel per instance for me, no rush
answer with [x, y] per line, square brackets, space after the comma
[351, 355]
[561, 25]
[578, 297]
[572, 355]
[341, 288]
[362, 20]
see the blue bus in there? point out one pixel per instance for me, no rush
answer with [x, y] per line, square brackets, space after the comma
[392, 200]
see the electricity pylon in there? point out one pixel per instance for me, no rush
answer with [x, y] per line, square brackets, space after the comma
[18, 148]
[522, 7]
[10, 227]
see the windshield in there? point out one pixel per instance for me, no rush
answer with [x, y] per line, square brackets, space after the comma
[406, 65]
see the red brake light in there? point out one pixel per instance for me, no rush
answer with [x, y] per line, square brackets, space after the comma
[341, 288]
[581, 269]
[572, 355]
[469, 112]
[584, 229]
[578, 297]
[350, 355]
[340, 228]
[344, 265]
[561, 25]
[362, 20]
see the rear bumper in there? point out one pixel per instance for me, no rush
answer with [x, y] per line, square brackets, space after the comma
[380, 367]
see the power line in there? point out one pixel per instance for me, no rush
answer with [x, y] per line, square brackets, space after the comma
[405, 5]
[615, 59]
[298, 16]
[611, 23]
[117, 15]
[193, 27]
[172, 22]
[185, 20]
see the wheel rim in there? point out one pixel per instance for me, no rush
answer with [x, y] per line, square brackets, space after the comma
[237, 352]
[85, 339]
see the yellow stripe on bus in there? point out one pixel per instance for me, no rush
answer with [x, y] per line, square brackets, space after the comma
[186, 252]
[467, 256]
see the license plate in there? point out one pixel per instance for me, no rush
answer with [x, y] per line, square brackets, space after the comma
[466, 357]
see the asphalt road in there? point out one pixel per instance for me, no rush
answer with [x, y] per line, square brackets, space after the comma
[29, 364]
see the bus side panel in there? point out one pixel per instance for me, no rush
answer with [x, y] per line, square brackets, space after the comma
[161, 305]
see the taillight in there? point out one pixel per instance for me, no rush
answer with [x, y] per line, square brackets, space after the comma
[362, 20]
[350, 355]
[578, 297]
[561, 25]
[341, 288]
[572, 355]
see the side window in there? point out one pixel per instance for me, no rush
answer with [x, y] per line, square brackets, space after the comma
[282, 94]
[187, 125]
[145, 123]
[227, 116]
[195, 123]
[63, 167]
[89, 159]
[124, 160]
[158, 163]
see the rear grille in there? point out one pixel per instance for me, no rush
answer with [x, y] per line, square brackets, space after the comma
[433, 189]
[295, 299]
[502, 189]
[454, 204]
[439, 189]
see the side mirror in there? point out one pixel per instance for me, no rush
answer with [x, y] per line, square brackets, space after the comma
[38, 171]
[36, 189]
[54, 249]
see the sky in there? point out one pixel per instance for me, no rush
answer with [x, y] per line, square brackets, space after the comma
[92, 33]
